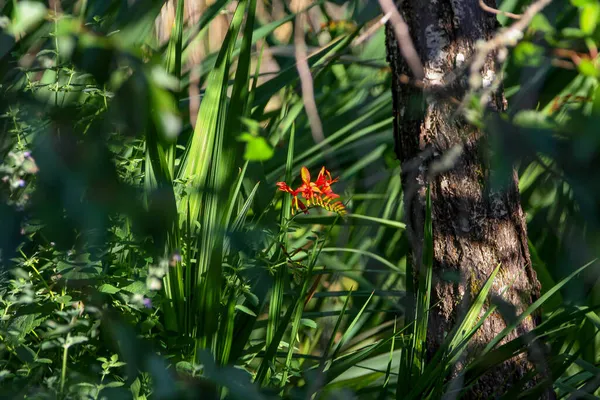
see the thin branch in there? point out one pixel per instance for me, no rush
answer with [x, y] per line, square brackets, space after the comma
[308, 92]
[528, 15]
[563, 64]
[372, 29]
[405, 43]
[492, 10]
[506, 37]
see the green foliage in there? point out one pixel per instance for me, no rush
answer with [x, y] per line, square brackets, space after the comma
[146, 253]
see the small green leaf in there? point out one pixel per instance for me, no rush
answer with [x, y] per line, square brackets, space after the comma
[309, 323]
[113, 384]
[25, 354]
[85, 385]
[257, 147]
[245, 310]
[533, 119]
[73, 340]
[136, 287]
[184, 366]
[540, 23]
[587, 68]
[23, 325]
[108, 288]
[147, 325]
[135, 388]
[572, 33]
[528, 54]
[588, 19]
[252, 298]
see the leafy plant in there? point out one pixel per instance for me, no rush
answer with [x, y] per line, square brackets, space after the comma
[148, 253]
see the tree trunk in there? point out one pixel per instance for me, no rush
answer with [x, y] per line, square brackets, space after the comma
[476, 225]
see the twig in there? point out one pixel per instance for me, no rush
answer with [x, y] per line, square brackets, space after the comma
[506, 37]
[562, 64]
[308, 92]
[405, 43]
[492, 10]
[372, 29]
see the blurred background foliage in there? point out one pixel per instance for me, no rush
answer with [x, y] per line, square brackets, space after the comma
[146, 253]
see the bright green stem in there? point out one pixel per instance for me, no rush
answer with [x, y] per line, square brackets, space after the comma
[63, 374]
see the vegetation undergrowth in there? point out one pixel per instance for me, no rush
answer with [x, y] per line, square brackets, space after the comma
[152, 252]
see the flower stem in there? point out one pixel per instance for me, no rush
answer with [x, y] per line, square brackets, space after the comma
[63, 374]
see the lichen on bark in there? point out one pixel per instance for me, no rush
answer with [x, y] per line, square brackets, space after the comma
[476, 225]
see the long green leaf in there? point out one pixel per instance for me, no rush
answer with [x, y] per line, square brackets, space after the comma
[537, 304]
[208, 168]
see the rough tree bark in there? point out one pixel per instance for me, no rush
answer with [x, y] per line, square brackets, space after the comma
[475, 226]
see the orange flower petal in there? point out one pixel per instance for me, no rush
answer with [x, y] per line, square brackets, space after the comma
[305, 175]
[284, 187]
[322, 173]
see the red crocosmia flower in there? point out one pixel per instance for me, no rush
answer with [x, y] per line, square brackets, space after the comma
[310, 191]
[324, 182]
[285, 188]
[316, 193]
[296, 203]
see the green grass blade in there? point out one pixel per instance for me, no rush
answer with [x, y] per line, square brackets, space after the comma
[259, 33]
[235, 194]
[175, 47]
[347, 361]
[271, 351]
[276, 303]
[365, 253]
[136, 23]
[413, 359]
[158, 185]
[209, 164]
[424, 292]
[455, 343]
[227, 329]
[465, 329]
[191, 36]
[537, 304]
[243, 212]
[350, 219]
[388, 370]
[292, 342]
[546, 280]
[347, 335]
[331, 348]
[318, 59]
[173, 67]
[298, 302]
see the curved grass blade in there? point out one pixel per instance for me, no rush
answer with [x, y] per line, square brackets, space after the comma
[537, 304]
[366, 254]
[209, 164]
[350, 219]
[276, 303]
